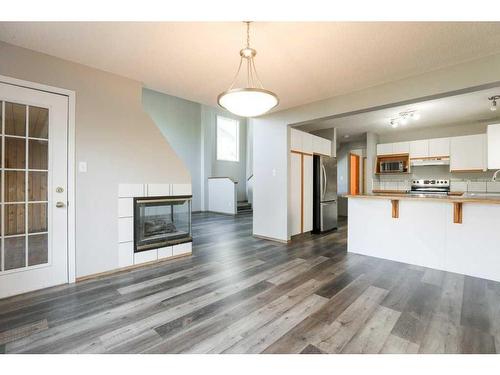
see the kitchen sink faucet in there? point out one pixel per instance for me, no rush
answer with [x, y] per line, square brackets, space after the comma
[495, 176]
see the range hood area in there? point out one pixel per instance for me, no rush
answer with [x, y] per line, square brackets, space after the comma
[420, 162]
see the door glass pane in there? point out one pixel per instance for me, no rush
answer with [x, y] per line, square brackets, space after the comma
[37, 186]
[15, 153]
[15, 119]
[38, 249]
[15, 252]
[38, 122]
[38, 154]
[37, 217]
[25, 176]
[14, 186]
[14, 219]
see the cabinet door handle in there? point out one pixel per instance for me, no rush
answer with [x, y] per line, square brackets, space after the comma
[60, 204]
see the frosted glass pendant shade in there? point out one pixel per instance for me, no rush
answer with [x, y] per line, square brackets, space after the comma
[248, 102]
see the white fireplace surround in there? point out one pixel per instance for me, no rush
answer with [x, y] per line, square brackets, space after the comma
[126, 195]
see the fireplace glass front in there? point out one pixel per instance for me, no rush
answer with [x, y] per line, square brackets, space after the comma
[161, 221]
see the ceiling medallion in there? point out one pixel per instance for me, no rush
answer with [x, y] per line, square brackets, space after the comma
[252, 100]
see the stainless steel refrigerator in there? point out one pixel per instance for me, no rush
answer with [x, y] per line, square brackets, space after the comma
[324, 194]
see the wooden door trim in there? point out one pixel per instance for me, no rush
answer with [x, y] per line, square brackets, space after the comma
[349, 172]
[70, 186]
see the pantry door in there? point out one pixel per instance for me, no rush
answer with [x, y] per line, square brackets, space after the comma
[33, 189]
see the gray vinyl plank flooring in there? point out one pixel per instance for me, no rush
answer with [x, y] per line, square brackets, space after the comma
[240, 294]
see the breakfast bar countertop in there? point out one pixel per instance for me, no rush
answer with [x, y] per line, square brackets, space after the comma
[484, 198]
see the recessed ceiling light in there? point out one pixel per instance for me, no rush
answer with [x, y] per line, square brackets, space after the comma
[346, 136]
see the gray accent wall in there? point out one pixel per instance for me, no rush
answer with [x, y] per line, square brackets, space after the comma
[179, 122]
[190, 128]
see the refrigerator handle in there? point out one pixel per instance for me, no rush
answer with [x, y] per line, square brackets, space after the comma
[324, 183]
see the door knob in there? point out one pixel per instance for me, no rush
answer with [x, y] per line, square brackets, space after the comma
[60, 204]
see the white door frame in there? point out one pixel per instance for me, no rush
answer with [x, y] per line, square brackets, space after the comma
[71, 162]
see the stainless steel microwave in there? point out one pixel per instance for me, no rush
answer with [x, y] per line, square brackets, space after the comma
[392, 166]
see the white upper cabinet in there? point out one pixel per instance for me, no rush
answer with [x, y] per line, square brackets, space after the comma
[322, 146]
[307, 142]
[393, 148]
[494, 146]
[419, 149]
[385, 149]
[401, 148]
[468, 153]
[439, 147]
[295, 140]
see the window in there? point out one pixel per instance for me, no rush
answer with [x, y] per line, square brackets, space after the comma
[228, 139]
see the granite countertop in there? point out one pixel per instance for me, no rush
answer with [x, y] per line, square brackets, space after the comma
[491, 198]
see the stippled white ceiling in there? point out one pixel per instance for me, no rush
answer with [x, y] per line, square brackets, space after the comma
[301, 62]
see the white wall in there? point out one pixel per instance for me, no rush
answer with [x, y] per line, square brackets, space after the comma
[117, 139]
[270, 200]
[218, 168]
[179, 121]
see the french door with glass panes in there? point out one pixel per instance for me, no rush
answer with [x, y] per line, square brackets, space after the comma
[33, 197]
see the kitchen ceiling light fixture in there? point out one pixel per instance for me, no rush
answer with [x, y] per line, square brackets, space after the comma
[252, 100]
[494, 99]
[403, 118]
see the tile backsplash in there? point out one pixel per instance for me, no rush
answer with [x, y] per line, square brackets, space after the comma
[467, 182]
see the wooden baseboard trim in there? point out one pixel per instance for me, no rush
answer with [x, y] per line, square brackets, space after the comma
[270, 239]
[129, 268]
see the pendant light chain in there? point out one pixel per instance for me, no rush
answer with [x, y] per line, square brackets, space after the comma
[252, 100]
[248, 33]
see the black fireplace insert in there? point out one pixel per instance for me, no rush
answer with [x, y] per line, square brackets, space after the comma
[161, 221]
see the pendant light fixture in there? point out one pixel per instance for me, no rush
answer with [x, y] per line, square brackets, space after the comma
[252, 100]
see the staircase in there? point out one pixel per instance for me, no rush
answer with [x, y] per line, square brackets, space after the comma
[244, 207]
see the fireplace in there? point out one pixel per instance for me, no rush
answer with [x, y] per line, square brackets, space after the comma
[161, 222]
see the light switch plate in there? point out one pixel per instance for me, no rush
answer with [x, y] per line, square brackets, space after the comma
[82, 166]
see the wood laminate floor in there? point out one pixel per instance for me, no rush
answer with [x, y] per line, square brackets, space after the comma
[239, 294]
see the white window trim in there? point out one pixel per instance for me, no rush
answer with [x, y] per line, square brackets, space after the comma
[237, 139]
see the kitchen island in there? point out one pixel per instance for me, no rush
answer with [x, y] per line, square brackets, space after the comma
[452, 233]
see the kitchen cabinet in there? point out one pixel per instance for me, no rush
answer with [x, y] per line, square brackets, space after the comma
[439, 147]
[393, 148]
[401, 148]
[494, 146]
[307, 194]
[384, 149]
[295, 193]
[322, 146]
[307, 142]
[419, 149]
[295, 140]
[301, 193]
[468, 153]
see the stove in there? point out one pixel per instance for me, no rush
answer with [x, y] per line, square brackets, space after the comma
[430, 187]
